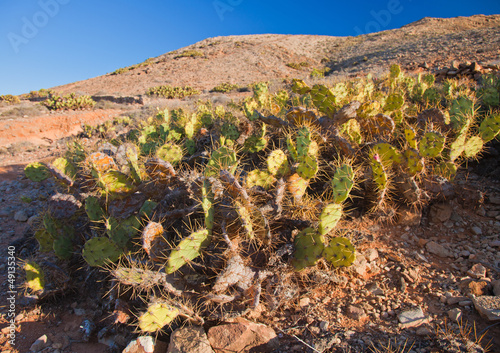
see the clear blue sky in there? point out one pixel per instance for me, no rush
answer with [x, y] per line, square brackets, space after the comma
[44, 43]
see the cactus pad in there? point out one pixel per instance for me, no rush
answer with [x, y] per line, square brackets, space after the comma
[93, 209]
[45, 240]
[222, 158]
[378, 173]
[35, 278]
[260, 178]
[329, 218]
[340, 252]
[300, 87]
[98, 251]
[207, 203]
[473, 146]
[388, 154]
[230, 131]
[170, 152]
[324, 99]
[63, 246]
[394, 102]
[342, 183]
[461, 111]
[297, 186]
[309, 246]
[489, 127]
[414, 162]
[36, 172]
[277, 163]
[117, 184]
[159, 170]
[378, 125]
[65, 167]
[457, 146]
[411, 137]
[157, 316]
[308, 167]
[188, 249]
[431, 144]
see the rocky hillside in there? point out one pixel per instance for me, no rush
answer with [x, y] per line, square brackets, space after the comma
[242, 60]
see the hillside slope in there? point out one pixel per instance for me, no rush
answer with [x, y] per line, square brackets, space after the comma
[250, 58]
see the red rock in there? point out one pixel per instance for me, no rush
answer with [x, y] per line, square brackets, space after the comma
[242, 336]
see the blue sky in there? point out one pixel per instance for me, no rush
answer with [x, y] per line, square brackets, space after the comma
[44, 43]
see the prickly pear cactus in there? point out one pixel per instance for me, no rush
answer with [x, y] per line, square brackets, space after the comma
[100, 162]
[65, 166]
[329, 218]
[230, 131]
[170, 152]
[158, 315]
[99, 251]
[300, 87]
[260, 178]
[297, 186]
[309, 247]
[150, 233]
[411, 137]
[414, 163]
[222, 158]
[431, 145]
[489, 127]
[116, 184]
[340, 252]
[324, 99]
[187, 250]
[277, 163]
[93, 209]
[35, 278]
[207, 202]
[342, 183]
[36, 172]
[473, 146]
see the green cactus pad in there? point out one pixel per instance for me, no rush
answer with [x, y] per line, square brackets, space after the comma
[230, 131]
[99, 251]
[431, 145]
[329, 218]
[461, 112]
[473, 146]
[65, 167]
[260, 178]
[188, 249]
[378, 173]
[309, 246]
[414, 162]
[490, 96]
[137, 277]
[277, 163]
[36, 172]
[300, 87]
[291, 148]
[157, 316]
[254, 144]
[431, 95]
[35, 278]
[63, 246]
[170, 152]
[93, 209]
[388, 154]
[394, 71]
[447, 170]
[222, 158]
[207, 202]
[368, 110]
[308, 167]
[45, 240]
[297, 186]
[394, 102]
[117, 184]
[342, 183]
[340, 252]
[411, 137]
[324, 99]
[457, 146]
[489, 127]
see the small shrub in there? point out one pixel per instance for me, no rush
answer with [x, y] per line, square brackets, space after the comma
[122, 70]
[172, 92]
[69, 102]
[10, 99]
[189, 54]
[224, 88]
[298, 66]
[41, 93]
[320, 73]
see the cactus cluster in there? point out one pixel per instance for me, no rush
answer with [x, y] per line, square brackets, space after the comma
[69, 102]
[192, 209]
[171, 92]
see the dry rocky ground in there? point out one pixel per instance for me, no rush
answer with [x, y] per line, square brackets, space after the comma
[412, 279]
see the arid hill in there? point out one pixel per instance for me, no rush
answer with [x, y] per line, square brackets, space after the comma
[250, 58]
